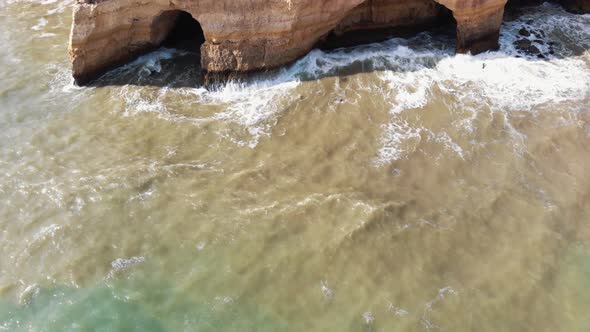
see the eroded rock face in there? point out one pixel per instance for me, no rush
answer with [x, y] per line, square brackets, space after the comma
[246, 35]
[376, 14]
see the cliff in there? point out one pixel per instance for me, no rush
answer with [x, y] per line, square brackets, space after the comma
[240, 35]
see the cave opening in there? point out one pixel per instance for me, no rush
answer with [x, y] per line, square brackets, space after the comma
[179, 30]
[378, 20]
[185, 33]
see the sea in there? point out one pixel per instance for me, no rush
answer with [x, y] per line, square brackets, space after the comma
[392, 186]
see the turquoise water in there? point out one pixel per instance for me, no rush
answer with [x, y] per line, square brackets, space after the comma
[387, 187]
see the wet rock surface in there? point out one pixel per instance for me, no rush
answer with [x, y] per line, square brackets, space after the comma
[524, 32]
[532, 42]
[247, 36]
[522, 44]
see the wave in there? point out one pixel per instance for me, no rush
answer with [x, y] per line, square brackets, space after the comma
[409, 74]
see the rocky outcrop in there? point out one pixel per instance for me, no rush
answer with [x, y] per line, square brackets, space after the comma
[576, 6]
[246, 35]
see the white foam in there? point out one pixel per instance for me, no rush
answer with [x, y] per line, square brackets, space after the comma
[256, 104]
[124, 263]
[430, 306]
[45, 232]
[41, 23]
[399, 139]
[252, 106]
[397, 311]
[318, 64]
[326, 291]
[148, 63]
[47, 34]
[508, 83]
[368, 317]
[29, 293]
[490, 82]
[497, 81]
[121, 264]
[55, 6]
[411, 72]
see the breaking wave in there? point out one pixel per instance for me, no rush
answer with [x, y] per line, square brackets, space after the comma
[410, 73]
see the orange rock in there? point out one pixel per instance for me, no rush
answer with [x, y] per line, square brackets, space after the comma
[242, 35]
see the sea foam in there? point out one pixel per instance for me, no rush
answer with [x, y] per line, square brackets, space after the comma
[409, 72]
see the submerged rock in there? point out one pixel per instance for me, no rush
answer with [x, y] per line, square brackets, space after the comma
[524, 32]
[533, 49]
[522, 44]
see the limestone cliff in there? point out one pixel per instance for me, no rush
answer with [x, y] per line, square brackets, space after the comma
[245, 35]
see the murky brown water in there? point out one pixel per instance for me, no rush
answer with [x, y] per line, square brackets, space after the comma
[386, 187]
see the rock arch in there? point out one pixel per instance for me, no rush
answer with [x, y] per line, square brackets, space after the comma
[177, 28]
[375, 20]
[478, 23]
[245, 35]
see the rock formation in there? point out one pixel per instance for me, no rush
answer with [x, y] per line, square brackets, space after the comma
[242, 35]
[576, 6]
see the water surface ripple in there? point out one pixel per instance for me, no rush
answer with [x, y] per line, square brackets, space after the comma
[391, 186]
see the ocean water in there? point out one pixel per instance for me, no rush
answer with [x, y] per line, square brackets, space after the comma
[394, 186]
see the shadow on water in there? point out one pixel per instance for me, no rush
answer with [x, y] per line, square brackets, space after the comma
[177, 63]
[169, 67]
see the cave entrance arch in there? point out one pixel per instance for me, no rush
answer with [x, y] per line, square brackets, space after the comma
[445, 23]
[378, 20]
[178, 29]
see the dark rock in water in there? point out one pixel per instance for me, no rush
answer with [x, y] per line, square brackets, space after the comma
[551, 52]
[576, 6]
[526, 46]
[539, 34]
[539, 41]
[529, 22]
[533, 50]
[522, 44]
[540, 56]
[524, 32]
